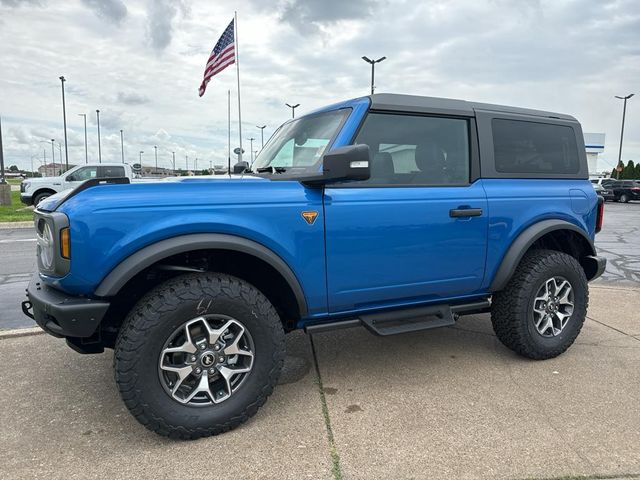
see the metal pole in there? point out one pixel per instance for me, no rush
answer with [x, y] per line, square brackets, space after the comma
[99, 147]
[141, 152]
[251, 150]
[229, 131]
[122, 144]
[196, 167]
[237, 54]
[293, 109]
[86, 151]
[2, 180]
[53, 157]
[261, 135]
[186, 159]
[60, 156]
[155, 147]
[174, 162]
[64, 120]
[624, 111]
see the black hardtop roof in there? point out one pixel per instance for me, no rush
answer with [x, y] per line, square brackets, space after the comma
[417, 103]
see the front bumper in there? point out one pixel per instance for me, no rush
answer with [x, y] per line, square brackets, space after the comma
[60, 314]
[26, 199]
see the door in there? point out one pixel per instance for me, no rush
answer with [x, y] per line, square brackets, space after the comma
[75, 178]
[417, 229]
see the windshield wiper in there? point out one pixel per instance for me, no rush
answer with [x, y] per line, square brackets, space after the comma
[271, 169]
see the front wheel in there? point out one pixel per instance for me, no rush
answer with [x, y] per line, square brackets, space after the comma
[198, 355]
[542, 309]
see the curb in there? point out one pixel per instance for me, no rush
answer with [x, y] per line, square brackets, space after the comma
[10, 225]
[20, 332]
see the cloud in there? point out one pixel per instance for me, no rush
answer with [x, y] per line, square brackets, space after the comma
[160, 16]
[132, 98]
[302, 14]
[20, 3]
[112, 10]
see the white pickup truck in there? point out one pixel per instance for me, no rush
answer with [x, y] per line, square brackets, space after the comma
[34, 190]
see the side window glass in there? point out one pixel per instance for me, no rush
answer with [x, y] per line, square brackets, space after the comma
[112, 172]
[416, 150]
[85, 173]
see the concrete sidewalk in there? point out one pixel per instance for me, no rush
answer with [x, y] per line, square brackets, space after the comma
[448, 403]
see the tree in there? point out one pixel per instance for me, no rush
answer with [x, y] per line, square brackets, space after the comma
[637, 173]
[613, 172]
[629, 171]
[14, 168]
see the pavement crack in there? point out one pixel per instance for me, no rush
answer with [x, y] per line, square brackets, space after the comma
[612, 328]
[336, 469]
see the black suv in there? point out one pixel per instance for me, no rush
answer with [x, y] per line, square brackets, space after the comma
[622, 190]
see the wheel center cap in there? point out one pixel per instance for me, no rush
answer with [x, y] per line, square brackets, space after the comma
[208, 359]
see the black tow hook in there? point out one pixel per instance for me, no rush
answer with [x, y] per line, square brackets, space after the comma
[26, 309]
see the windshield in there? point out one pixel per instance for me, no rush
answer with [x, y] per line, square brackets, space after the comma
[300, 143]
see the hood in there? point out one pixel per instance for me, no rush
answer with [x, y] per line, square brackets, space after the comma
[39, 179]
[49, 204]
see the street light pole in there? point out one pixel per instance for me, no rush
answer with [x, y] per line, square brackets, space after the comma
[174, 162]
[624, 111]
[64, 121]
[261, 135]
[86, 151]
[141, 152]
[293, 109]
[99, 147]
[122, 144]
[155, 147]
[373, 64]
[53, 157]
[251, 150]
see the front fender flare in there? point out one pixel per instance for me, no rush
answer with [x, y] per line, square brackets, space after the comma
[152, 254]
[522, 243]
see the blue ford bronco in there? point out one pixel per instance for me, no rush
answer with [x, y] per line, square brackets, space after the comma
[397, 213]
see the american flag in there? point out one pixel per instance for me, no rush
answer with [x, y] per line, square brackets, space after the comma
[222, 55]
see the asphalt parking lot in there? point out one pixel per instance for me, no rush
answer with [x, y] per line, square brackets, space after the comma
[447, 403]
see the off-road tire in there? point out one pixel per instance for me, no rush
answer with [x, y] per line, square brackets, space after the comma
[512, 308]
[159, 313]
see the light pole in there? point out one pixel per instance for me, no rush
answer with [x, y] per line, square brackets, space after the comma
[174, 162]
[293, 109]
[122, 144]
[624, 111]
[155, 147]
[261, 135]
[196, 167]
[251, 149]
[60, 154]
[53, 157]
[99, 147]
[86, 151]
[141, 152]
[64, 121]
[186, 159]
[373, 64]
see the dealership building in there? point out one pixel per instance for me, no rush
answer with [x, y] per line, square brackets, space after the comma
[594, 144]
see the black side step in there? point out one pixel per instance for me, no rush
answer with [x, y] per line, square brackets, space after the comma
[405, 320]
[410, 320]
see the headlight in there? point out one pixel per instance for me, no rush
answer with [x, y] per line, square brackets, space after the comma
[46, 247]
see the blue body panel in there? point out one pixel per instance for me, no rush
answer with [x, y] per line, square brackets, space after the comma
[369, 248]
[516, 204]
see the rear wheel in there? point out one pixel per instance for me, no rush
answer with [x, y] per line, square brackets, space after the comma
[541, 311]
[199, 355]
[624, 198]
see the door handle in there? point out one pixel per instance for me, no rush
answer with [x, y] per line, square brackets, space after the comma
[465, 212]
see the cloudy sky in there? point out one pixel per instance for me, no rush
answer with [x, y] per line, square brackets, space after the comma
[140, 62]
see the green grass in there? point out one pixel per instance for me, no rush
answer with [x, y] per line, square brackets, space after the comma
[14, 181]
[17, 211]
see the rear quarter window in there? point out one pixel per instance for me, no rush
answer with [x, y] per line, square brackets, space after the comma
[524, 147]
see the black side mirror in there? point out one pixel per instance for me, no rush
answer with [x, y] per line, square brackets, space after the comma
[70, 178]
[342, 164]
[240, 167]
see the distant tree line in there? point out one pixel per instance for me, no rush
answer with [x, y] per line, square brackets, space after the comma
[629, 171]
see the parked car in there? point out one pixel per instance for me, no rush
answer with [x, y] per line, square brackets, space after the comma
[622, 191]
[393, 212]
[34, 190]
[599, 189]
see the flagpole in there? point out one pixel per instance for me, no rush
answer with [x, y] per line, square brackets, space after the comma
[229, 131]
[235, 32]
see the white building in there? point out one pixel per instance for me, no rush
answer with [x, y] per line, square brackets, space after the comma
[594, 144]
